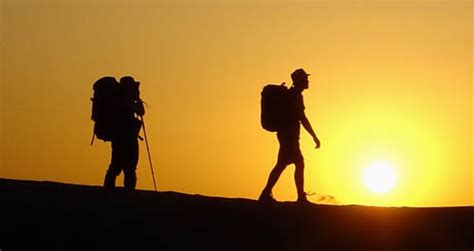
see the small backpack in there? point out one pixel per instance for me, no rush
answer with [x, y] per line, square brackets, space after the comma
[104, 108]
[274, 107]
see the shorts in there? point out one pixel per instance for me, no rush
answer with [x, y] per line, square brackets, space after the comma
[289, 152]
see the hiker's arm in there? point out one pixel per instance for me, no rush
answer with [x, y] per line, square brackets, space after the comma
[307, 126]
[138, 107]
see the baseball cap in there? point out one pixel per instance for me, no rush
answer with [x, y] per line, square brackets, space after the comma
[298, 74]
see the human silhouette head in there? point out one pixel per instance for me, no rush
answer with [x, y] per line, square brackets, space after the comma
[300, 79]
[130, 86]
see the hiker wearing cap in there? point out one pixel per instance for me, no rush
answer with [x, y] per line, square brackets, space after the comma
[127, 127]
[288, 138]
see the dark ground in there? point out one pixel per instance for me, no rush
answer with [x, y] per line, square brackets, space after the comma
[54, 216]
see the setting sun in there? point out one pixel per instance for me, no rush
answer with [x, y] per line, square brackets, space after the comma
[380, 177]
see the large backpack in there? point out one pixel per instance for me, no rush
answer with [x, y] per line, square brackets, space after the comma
[274, 107]
[104, 107]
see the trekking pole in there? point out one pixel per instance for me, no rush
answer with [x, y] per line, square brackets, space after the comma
[93, 137]
[148, 150]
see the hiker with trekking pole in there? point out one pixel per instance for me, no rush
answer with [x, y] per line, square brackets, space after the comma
[117, 111]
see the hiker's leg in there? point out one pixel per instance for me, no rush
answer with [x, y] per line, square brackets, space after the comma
[299, 178]
[110, 177]
[130, 180]
[129, 171]
[282, 162]
[109, 180]
[273, 177]
[295, 156]
[115, 166]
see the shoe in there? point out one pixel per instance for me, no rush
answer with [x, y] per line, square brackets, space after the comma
[266, 197]
[302, 199]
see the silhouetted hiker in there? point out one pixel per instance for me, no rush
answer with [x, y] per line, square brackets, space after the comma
[285, 119]
[116, 108]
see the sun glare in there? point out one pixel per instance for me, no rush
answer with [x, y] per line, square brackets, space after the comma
[380, 177]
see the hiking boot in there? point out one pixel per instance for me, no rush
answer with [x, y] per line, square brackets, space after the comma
[266, 197]
[302, 199]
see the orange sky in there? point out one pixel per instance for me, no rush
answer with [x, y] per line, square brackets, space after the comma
[391, 81]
